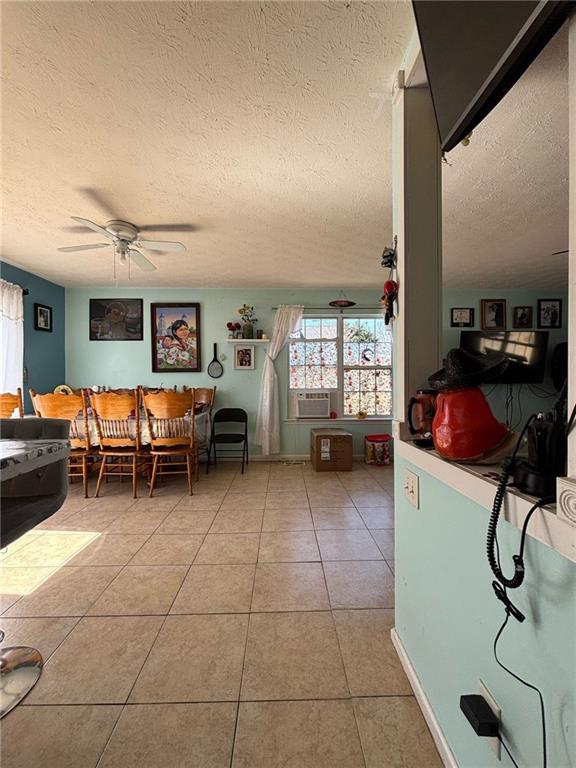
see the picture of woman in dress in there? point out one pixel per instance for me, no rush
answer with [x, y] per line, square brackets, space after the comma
[175, 338]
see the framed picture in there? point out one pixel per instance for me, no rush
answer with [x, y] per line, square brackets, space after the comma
[522, 317]
[493, 314]
[244, 357]
[549, 313]
[42, 318]
[176, 341]
[116, 320]
[462, 317]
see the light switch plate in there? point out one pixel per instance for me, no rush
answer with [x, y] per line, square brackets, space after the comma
[412, 488]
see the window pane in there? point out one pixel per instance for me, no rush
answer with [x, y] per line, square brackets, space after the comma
[383, 354]
[330, 377]
[351, 381]
[350, 329]
[313, 377]
[329, 353]
[383, 381]
[381, 330]
[313, 353]
[350, 353]
[351, 403]
[368, 402]
[367, 381]
[313, 325]
[297, 377]
[329, 329]
[383, 403]
[297, 353]
[366, 330]
[366, 354]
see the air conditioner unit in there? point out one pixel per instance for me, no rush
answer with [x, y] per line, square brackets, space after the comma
[312, 405]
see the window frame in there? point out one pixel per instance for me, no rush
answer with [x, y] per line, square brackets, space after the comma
[337, 394]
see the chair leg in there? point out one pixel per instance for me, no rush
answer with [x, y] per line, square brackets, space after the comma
[85, 475]
[153, 478]
[189, 468]
[134, 476]
[243, 455]
[100, 475]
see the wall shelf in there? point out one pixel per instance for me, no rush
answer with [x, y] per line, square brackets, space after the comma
[248, 341]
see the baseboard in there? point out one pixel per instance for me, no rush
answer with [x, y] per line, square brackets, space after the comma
[442, 745]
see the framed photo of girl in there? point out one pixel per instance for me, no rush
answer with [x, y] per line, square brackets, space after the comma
[176, 341]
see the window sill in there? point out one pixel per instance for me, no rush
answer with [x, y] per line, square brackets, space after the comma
[341, 420]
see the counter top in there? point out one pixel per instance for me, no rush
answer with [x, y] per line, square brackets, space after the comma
[20, 456]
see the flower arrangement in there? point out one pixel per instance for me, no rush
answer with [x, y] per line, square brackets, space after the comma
[233, 329]
[246, 312]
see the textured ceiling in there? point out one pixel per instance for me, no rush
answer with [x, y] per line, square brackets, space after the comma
[262, 123]
[266, 125]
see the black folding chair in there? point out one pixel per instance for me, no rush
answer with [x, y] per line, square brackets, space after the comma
[217, 438]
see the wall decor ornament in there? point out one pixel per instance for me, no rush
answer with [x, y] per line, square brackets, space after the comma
[549, 313]
[462, 317]
[42, 318]
[116, 319]
[493, 314]
[244, 358]
[176, 340]
[522, 317]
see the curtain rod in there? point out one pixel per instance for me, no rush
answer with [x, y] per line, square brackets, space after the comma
[339, 309]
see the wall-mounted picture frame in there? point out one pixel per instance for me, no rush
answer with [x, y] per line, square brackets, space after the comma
[244, 357]
[176, 339]
[549, 313]
[116, 320]
[493, 314]
[42, 318]
[522, 317]
[462, 317]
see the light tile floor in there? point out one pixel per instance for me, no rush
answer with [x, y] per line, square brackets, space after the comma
[247, 626]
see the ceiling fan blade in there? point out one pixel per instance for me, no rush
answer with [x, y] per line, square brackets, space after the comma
[558, 253]
[169, 228]
[161, 245]
[95, 227]
[141, 261]
[99, 199]
[72, 248]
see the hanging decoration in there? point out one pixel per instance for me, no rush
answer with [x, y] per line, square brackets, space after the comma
[390, 291]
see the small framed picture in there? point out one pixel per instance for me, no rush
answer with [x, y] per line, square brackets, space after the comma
[493, 312]
[116, 320]
[522, 317]
[462, 317]
[42, 318]
[244, 358]
[549, 313]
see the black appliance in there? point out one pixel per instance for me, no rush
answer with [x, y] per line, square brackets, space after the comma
[525, 350]
[475, 50]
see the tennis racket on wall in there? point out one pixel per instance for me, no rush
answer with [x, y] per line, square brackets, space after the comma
[215, 369]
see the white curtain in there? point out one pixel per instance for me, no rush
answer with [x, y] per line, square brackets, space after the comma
[288, 319]
[12, 336]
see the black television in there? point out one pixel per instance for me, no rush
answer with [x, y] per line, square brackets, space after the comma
[525, 350]
[475, 50]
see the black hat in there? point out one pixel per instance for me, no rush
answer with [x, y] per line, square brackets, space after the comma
[462, 369]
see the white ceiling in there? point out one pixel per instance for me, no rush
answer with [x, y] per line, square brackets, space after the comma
[267, 125]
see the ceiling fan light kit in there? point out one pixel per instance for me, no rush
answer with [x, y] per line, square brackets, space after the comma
[125, 241]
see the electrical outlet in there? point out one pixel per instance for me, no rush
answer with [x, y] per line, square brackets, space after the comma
[412, 488]
[491, 701]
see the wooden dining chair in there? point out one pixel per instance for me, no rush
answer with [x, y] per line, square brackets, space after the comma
[72, 407]
[10, 402]
[204, 398]
[117, 421]
[170, 421]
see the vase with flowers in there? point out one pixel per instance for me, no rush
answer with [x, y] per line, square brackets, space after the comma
[233, 330]
[246, 313]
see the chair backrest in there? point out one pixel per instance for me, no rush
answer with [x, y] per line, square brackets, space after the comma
[170, 417]
[10, 402]
[117, 415]
[204, 396]
[230, 416]
[72, 407]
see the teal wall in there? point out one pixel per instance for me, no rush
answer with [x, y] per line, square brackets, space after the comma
[128, 363]
[525, 401]
[43, 352]
[447, 618]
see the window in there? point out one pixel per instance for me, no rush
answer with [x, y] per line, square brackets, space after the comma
[351, 357]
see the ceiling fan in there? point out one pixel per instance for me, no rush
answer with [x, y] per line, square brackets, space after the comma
[126, 242]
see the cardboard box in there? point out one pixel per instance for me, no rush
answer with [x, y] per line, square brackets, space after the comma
[331, 450]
